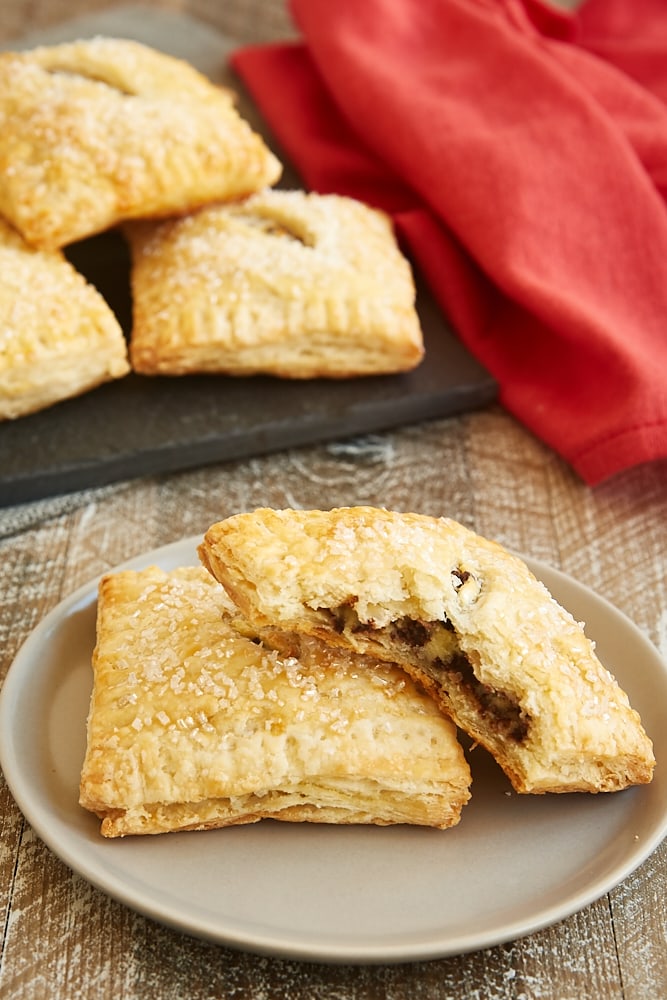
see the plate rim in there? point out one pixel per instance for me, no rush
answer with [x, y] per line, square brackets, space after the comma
[431, 945]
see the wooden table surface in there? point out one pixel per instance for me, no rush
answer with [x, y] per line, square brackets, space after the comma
[62, 938]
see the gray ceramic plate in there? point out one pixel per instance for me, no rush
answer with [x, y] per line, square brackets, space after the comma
[338, 894]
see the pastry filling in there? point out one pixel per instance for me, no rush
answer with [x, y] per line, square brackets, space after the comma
[498, 708]
[436, 649]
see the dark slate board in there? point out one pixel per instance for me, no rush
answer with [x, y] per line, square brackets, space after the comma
[139, 426]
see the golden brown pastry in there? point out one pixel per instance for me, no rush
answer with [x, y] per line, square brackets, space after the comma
[58, 337]
[461, 615]
[286, 283]
[193, 725]
[96, 131]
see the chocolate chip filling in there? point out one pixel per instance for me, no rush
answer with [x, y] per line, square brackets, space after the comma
[460, 577]
[416, 633]
[436, 651]
[498, 708]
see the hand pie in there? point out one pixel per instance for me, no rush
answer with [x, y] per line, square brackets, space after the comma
[97, 131]
[193, 725]
[58, 337]
[284, 283]
[460, 614]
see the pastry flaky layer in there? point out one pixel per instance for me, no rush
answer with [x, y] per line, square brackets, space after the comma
[461, 615]
[196, 724]
[286, 283]
[101, 130]
[58, 337]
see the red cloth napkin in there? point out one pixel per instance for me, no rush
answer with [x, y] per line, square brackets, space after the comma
[522, 152]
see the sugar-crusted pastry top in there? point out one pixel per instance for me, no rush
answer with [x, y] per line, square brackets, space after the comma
[286, 282]
[282, 563]
[192, 724]
[58, 337]
[456, 610]
[100, 130]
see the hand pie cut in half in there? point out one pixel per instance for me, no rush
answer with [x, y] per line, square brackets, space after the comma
[285, 283]
[461, 615]
[101, 130]
[193, 725]
[58, 337]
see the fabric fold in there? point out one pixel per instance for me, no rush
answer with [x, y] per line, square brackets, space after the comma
[525, 175]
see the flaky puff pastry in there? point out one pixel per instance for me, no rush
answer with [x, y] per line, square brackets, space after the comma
[96, 131]
[58, 337]
[284, 283]
[193, 725]
[461, 615]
